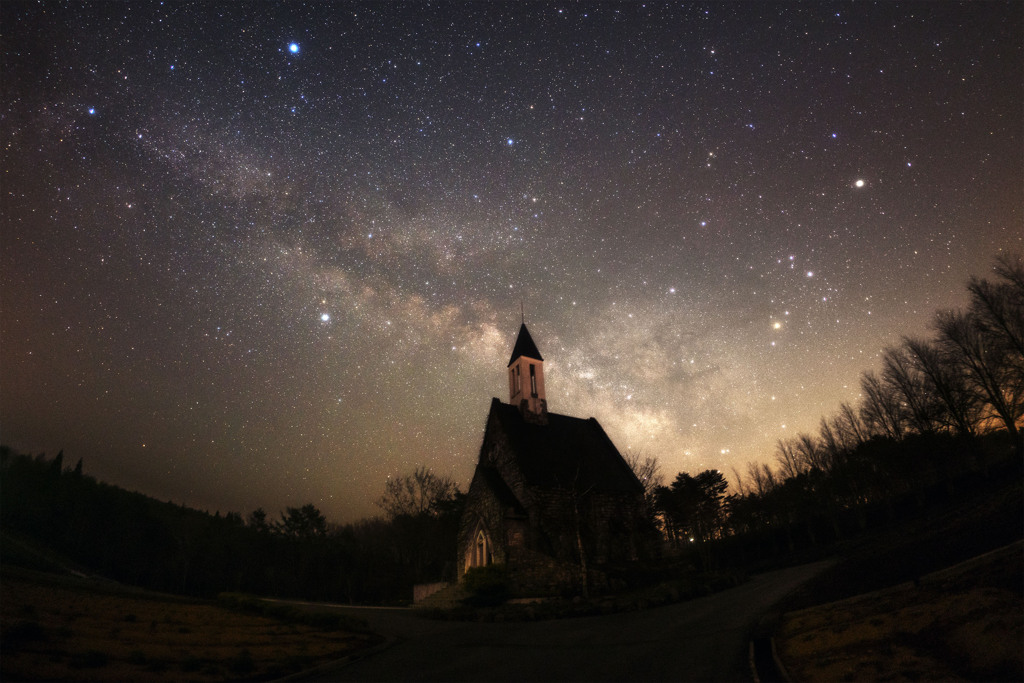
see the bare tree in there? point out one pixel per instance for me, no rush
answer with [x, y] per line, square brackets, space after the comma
[850, 429]
[902, 375]
[881, 409]
[811, 454]
[829, 440]
[741, 487]
[986, 343]
[762, 478]
[786, 455]
[988, 367]
[999, 307]
[961, 409]
[1010, 267]
[422, 492]
[647, 470]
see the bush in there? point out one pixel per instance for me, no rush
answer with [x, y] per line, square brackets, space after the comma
[487, 586]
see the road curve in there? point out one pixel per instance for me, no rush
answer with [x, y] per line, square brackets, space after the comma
[700, 640]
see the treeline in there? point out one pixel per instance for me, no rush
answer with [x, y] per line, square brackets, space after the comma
[52, 515]
[942, 415]
[940, 420]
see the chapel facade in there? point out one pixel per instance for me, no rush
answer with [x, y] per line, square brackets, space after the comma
[551, 499]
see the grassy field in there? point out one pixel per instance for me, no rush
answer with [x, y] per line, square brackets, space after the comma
[58, 628]
[964, 623]
[927, 599]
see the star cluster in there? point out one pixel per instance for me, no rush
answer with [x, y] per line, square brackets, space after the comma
[263, 255]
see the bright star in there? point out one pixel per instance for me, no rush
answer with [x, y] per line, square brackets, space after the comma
[325, 317]
[293, 48]
[859, 183]
[510, 142]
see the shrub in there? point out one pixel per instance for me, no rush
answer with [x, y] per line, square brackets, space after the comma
[487, 586]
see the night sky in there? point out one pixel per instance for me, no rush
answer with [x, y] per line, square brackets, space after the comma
[266, 255]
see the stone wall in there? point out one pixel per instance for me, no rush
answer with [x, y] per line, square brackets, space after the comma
[610, 524]
[422, 591]
[484, 509]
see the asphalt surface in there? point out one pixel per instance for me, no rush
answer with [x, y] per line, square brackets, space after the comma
[706, 639]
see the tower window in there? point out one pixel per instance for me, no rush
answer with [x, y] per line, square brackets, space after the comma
[533, 380]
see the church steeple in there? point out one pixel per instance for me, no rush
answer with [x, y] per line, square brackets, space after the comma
[526, 378]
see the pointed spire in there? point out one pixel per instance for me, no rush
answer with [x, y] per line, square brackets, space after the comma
[524, 346]
[526, 379]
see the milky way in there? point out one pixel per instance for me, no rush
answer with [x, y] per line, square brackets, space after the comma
[259, 254]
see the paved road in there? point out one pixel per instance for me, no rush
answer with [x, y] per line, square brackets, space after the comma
[700, 640]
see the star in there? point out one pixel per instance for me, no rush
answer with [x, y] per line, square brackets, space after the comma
[234, 187]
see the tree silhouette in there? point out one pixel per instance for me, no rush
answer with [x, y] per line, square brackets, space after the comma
[881, 409]
[989, 368]
[920, 406]
[303, 522]
[419, 493]
[693, 509]
[960, 408]
[423, 511]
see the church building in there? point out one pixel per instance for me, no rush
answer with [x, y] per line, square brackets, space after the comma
[551, 500]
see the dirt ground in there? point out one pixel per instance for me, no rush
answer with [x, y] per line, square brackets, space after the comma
[54, 629]
[963, 623]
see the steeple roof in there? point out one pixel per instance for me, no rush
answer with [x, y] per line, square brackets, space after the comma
[524, 346]
[566, 452]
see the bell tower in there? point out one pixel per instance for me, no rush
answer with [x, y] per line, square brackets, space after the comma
[526, 378]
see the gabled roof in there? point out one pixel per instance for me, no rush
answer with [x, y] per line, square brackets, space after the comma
[491, 478]
[524, 346]
[567, 452]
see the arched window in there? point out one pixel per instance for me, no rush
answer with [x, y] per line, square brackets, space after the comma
[481, 550]
[479, 553]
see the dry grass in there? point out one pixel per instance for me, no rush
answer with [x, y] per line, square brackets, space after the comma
[59, 630]
[965, 623]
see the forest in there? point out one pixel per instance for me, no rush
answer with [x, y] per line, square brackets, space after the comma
[939, 421]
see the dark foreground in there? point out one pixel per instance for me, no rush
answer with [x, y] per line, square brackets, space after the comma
[701, 640]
